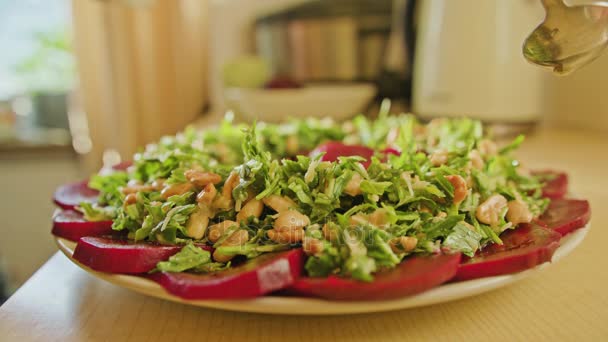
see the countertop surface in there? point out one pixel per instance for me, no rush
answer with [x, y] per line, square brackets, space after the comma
[566, 301]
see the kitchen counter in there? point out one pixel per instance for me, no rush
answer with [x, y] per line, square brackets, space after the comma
[565, 301]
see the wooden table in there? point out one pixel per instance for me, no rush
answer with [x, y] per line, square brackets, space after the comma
[566, 301]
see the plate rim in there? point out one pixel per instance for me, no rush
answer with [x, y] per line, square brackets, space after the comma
[293, 305]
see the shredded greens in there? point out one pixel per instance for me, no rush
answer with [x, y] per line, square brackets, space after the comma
[353, 221]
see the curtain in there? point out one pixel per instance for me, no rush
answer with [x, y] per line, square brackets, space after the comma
[142, 70]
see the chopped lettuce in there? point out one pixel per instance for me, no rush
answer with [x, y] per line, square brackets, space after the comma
[463, 239]
[93, 212]
[109, 187]
[188, 258]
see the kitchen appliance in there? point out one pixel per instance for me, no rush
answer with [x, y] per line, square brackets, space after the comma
[468, 61]
[338, 41]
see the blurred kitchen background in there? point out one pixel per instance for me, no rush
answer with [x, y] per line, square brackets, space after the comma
[87, 82]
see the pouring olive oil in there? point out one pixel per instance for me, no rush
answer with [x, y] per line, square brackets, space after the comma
[569, 37]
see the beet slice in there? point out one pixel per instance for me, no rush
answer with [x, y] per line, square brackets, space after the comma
[524, 247]
[69, 196]
[71, 225]
[557, 186]
[390, 150]
[264, 274]
[113, 255]
[335, 149]
[566, 215]
[122, 166]
[414, 275]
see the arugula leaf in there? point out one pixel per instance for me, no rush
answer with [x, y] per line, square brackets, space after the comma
[358, 265]
[252, 250]
[373, 187]
[173, 223]
[93, 212]
[109, 187]
[463, 239]
[513, 145]
[188, 258]
[444, 226]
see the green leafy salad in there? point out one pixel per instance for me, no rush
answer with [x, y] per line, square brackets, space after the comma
[242, 191]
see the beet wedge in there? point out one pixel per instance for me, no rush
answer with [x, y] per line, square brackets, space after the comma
[69, 196]
[566, 215]
[254, 278]
[71, 225]
[557, 186]
[523, 248]
[335, 149]
[115, 255]
[414, 275]
[122, 166]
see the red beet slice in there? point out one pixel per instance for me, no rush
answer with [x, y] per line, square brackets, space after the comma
[414, 275]
[122, 166]
[566, 215]
[69, 196]
[525, 247]
[335, 149]
[71, 225]
[390, 150]
[120, 255]
[557, 186]
[256, 277]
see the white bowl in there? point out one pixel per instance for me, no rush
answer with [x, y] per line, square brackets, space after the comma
[338, 101]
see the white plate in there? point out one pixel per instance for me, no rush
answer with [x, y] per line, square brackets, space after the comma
[311, 306]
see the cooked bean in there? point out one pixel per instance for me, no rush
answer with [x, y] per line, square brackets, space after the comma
[231, 182]
[489, 211]
[487, 147]
[460, 188]
[290, 220]
[158, 184]
[292, 145]
[175, 189]
[353, 187]
[279, 203]
[197, 224]
[519, 212]
[288, 236]
[130, 199]
[132, 188]
[217, 230]
[403, 244]
[312, 246]
[202, 178]
[476, 160]
[439, 157]
[237, 238]
[253, 208]
[207, 195]
[379, 218]
[329, 233]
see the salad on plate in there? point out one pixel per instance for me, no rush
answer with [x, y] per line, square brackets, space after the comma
[363, 210]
